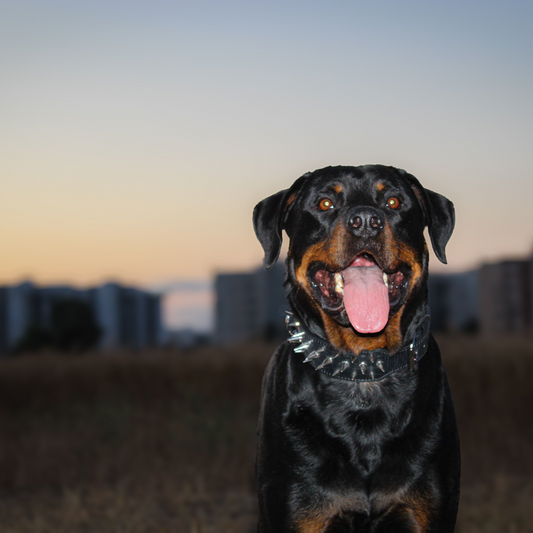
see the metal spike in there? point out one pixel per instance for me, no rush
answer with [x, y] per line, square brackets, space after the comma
[372, 373]
[343, 366]
[303, 347]
[354, 373]
[354, 357]
[362, 366]
[294, 324]
[311, 356]
[290, 313]
[381, 366]
[297, 337]
[325, 362]
[318, 351]
[371, 357]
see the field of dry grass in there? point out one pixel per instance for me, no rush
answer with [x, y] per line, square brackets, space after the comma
[164, 441]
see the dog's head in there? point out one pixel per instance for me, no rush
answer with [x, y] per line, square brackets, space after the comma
[357, 261]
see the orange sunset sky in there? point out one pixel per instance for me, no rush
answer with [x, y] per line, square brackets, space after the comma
[136, 137]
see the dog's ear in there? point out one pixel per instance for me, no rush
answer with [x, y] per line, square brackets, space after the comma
[441, 221]
[269, 219]
[269, 216]
[439, 213]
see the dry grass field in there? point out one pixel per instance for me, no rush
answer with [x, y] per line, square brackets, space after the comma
[164, 441]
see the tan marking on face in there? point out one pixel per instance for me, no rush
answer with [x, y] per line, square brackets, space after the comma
[317, 252]
[380, 186]
[338, 188]
[391, 337]
[347, 339]
[291, 199]
[331, 252]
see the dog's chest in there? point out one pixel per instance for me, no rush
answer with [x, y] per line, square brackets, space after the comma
[342, 430]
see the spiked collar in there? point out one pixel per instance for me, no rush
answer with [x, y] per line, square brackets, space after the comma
[368, 365]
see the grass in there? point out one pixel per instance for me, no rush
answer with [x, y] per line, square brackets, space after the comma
[165, 441]
[491, 385]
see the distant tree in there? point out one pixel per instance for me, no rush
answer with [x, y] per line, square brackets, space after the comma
[35, 339]
[74, 327]
[471, 327]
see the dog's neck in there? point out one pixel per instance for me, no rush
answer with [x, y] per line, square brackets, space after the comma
[368, 365]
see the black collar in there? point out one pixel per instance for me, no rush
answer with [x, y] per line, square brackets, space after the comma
[368, 365]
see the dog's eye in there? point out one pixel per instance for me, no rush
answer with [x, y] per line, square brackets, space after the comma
[393, 202]
[325, 204]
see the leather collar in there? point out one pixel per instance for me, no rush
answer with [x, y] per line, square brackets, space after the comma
[368, 365]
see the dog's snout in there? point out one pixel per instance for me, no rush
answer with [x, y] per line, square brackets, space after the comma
[365, 222]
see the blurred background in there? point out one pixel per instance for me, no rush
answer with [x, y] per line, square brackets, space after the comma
[136, 138]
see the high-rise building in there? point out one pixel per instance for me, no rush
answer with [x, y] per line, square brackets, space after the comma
[250, 305]
[454, 301]
[126, 316]
[506, 297]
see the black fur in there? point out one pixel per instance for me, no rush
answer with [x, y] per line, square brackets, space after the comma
[340, 456]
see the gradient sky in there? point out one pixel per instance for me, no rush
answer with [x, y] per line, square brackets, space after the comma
[136, 137]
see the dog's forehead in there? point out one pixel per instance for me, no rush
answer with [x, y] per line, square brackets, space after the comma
[367, 178]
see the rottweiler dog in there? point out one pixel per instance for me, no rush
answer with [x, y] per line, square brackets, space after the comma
[357, 430]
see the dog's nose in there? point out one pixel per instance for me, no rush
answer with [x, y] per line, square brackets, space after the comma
[365, 222]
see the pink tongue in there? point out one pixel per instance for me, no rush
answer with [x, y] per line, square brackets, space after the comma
[366, 298]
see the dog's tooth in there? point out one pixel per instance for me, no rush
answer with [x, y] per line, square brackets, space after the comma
[339, 283]
[386, 280]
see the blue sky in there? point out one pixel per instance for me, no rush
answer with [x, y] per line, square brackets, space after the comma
[136, 137]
